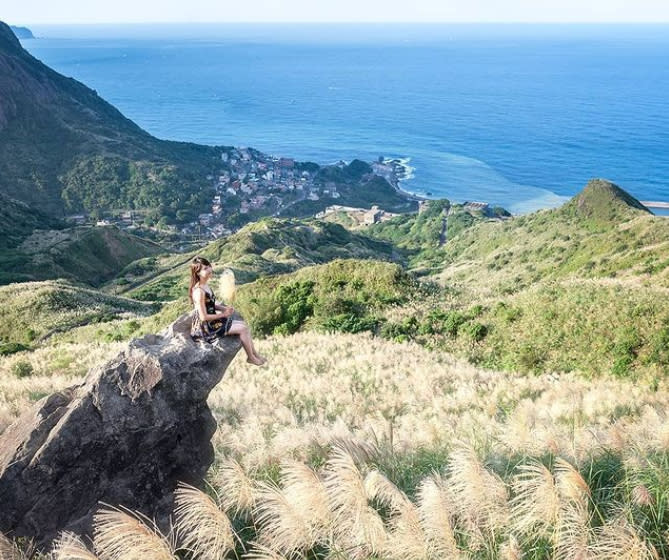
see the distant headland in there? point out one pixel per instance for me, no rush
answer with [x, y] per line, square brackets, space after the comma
[22, 32]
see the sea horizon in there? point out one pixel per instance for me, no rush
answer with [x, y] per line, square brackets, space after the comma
[520, 115]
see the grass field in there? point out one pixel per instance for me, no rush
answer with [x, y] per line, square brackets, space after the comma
[350, 446]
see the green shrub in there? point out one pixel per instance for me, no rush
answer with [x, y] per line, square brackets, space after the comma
[22, 368]
[403, 331]
[659, 348]
[529, 358]
[477, 331]
[452, 323]
[8, 348]
[625, 350]
[350, 323]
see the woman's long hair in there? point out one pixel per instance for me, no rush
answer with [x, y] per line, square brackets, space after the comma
[196, 265]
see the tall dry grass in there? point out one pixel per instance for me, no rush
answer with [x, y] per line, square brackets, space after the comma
[353, 447]
[121, 535]
[69, 546]
[205, 530]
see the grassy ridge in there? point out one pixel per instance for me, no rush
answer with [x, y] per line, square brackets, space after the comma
[34, 310]
[266, 247]
[86, 255]
[615, 240]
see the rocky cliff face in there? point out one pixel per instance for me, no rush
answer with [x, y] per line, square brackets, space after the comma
[136, 426]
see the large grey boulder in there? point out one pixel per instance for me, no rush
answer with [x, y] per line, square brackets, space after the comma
[134, 427]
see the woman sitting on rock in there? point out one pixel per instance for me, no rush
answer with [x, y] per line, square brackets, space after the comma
[211, 320]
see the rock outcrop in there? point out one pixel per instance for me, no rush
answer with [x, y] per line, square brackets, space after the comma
[134, 427]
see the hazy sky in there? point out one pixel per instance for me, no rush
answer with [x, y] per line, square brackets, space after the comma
[127, 11]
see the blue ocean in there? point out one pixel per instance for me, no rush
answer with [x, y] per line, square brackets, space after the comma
[517, 115]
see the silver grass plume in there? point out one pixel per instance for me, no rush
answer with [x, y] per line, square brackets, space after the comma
[358, 528]
[282, 526]
[406, 539]
[573, 531]
[479, 495]
[510, 550]
[235, 487]
[306, 491]
[227, 286]
[120, 535]
[619, 540]
[361, 451]
[204, 529]
[69, 546]
[344, 485]
[435, 511]
[378, 487]
[261, 552]
[8, 550]
[535, 505]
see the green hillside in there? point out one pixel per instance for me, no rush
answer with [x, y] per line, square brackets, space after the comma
[83, 254]
[578, 288]
[602, 202]
[419, 236]
[598, 234]
[31, 311]
[341, 296]
[269, 246]
[18, 221]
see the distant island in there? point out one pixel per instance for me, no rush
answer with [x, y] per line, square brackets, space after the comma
[22, 32]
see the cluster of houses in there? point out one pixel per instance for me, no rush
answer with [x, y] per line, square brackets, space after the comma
[260, 180]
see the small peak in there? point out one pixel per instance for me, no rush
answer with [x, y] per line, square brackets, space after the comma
[603, 200]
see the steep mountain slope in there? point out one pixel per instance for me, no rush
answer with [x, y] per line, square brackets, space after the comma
[63, 148]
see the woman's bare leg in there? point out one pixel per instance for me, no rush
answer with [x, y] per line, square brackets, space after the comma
[241, 328]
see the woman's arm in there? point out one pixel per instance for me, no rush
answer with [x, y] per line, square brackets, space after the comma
[227, 309]
[198, 300]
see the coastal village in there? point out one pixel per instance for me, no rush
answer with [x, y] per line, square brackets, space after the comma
[252, 184]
